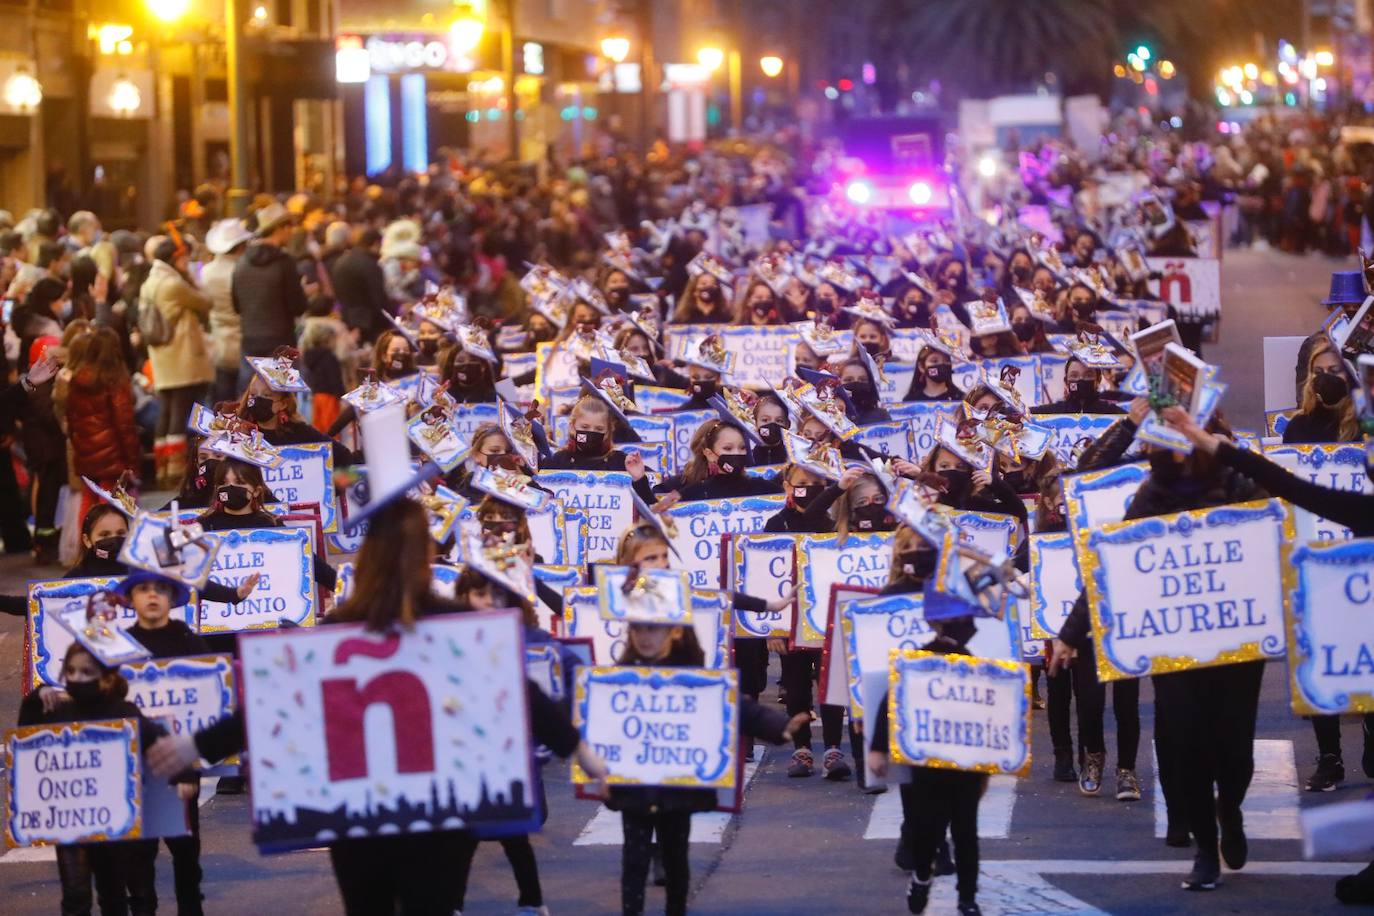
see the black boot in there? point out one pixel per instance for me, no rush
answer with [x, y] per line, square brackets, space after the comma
[1063, 767]
[1206, 873]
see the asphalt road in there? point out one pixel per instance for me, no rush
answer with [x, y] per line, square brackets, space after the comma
[805, 846]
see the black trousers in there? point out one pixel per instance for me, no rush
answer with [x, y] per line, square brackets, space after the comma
[1328, 732]
[1059, 708]
[408, 874]
[939, 800]
[799, 668]
[1092, 702]
[751, 658]
[48, 480]
[14, 511]
[674, 829]
[186, 871]
[1205, 738]
[519, 853]
[123, 878]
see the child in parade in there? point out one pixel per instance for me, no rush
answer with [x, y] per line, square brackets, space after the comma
[124, 872]
[936, 800]
[152, 597]
[770, 422]
[393, 360]
[933, 380]
[590, 447]
[716, 470]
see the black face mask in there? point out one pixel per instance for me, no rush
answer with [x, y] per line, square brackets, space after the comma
[873, 347]
[1018, 481]
[588, 443]
[917, 564]
[1163, 466]
[234, 497]
[873, 517]
[1021, 274]
[618, 296]
[258, 408]
[731, 465]
[1084, 310]
[1082, 390]
[83, 693]
[957, 283]
[402, 364]
[466, 376]
[771, 434]
[802, 496]
[1331, 388]
[429, 346]
[107, 549]
[711, 294]
[940, 374]
[913, 307]
[825, 304]
[863, 394]
[542, 334]
[704, 389]
[958, 481]
[1024, 330]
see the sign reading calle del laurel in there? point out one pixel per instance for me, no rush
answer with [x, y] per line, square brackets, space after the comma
[959, 712]
[660, 726]
[1188, 590]
[1331, 628]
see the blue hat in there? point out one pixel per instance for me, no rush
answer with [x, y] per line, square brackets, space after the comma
[1347, 288]
[181, 595]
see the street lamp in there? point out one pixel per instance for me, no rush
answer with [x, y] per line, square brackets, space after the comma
[615, 48]
[124, 98]
[22, 91]
[771, 65]
[711, 57]
[168, 10]
[467, 28]
[1325, 58]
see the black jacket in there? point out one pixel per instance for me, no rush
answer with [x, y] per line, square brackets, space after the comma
[170, 641]
[614, 460]
[267, 294]
[1096, 405]
[360, 288]
[720, 486]
[1320, 425]
[814, 519]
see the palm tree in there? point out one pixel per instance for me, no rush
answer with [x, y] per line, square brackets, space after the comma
[981, 48]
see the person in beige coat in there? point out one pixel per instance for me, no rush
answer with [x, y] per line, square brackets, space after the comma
[226, 240]
[182, 370]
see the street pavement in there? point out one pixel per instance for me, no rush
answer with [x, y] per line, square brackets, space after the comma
[807, 846]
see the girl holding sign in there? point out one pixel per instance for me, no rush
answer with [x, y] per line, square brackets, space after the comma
[590, 447]
[770, 421]
[809, 500]
[933, 380]
[122, 870]
[490, 447]
[393, 359]
[649, 811]
[716, 470]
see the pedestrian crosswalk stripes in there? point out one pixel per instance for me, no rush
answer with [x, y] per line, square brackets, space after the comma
[1271, 804]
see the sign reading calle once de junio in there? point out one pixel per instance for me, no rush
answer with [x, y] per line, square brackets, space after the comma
[1188, 590]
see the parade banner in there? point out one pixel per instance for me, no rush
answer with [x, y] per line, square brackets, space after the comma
[969, 375]
[891, 439]
[1068, 430]
[762, 565]
[1052, 377]
[696, 529]
[685, 426]
[443, 580]
[832, 685]
[582, 620]
[605, 497]
[760, 353]
[894, 381]
[77, 782]
[959, 713]
[48, 640]
[1276, 421]
[654, 399]
[824, 560]
[1336, 467]
[544, 666]
[285, 591]
[1191, 285]
[907, 344]
[578, 535]
[1188, 590]
[990, 532]
[548, 532]
[1054, 583]
[675, 727]
[450, 750]
[1095, 498]
[868, 628]
[925, 418]
[557, 578]
[306, 475]
[186, 694]
[556, 367]
[1331, 628]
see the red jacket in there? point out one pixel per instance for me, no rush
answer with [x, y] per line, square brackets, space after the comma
[100, 423]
